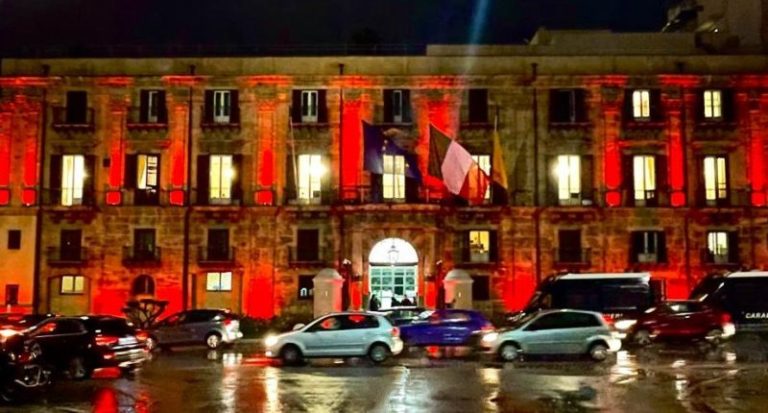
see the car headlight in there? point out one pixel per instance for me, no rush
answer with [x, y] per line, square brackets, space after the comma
[624, 324]
[270, 341]
[490, 337]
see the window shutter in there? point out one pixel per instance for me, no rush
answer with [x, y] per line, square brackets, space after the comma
[552, 196]
[88, 182]
[461, 246]
[208, 107]
[580, 100]
[54, 181]
[733, 247]
[662, 186]
[388, 106]
[635, 241]
[131, 172]
[411, 190]
[699, 181]
[493, 247]
[290, 179]
[628, 173]
[587, 185]
[628, 113]
[661, 247]
[376, 188]
[406, 106]
[325, 184]
[237, 182]
[234, 107]
[143, 106]
[559, 106]
[162, 108]
[478, 105]
[203, 179]
[656, 110]
[322, 107]
[296, 106]
[728, 104]
[699, 112]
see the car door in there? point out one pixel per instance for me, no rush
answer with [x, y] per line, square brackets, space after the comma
[576, 330]
[455, 329]
[195, 326]
[168, 331]
[358, 331]
[322, 337]
[542, 335]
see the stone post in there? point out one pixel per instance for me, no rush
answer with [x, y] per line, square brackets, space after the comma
[327, 295]
[458, 289]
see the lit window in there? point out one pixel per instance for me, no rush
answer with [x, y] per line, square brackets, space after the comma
[393, 179]
[221, 175]
[717, 245]
[568, 175]
[146, 166]
[644, 173]
[311, 171]
[479, 246]
[309, 106]
[484, 162]
[397, 106]
[641, 104]
[221, 106]
[713, 108]
[72, 284]
[715, 178]
[219, 281]
[72, 179]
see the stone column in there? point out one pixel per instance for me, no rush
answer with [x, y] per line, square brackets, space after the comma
[327, 292]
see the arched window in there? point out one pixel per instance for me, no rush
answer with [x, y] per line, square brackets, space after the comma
[143, 285]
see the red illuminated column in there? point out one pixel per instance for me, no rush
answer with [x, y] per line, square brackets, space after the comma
[177, 150]
[757, 125]
[116, 153]
[266, 153]
[612, 152]
[31, 135]
[351, 146]
[676, 155]
[5, 157]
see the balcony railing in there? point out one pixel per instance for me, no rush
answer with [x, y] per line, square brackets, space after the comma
[210, 121]
[709, 257]
[67, 256]
[723, 198]
[572, 256]
[68, 198]
[70, 119]
[215, 255]
[138, 118]
[298, 256]
[137, 256]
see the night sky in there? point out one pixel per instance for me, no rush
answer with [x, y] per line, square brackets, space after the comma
[82, 24]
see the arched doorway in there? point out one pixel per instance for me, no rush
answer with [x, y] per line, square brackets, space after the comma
[393, 272]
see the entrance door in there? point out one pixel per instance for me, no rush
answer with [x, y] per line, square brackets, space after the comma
[393, 284]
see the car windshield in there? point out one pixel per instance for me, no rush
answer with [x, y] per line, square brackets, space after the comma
[522, 321]
[114, 326]
[705, 288]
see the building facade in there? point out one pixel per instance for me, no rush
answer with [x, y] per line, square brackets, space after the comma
[231, 182]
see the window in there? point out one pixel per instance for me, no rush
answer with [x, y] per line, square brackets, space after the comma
[146, 168]
[713, 104]
[644, 177]
[568, 175]
[309, 106]
[11, 294]
[550, 321]
[219, 281]
[222, 106]
[481, 288]
[569, 246]
[152, 106]
[72, 179]
[221, 175]
[484, 162]
[478, 105]
[567, 106]
[479, 246]
[647, 247]
[641, 104]
[70, 241]
[143, 285]
[306, 289]
[311, 171]
[218, 245]
[144, 244]
[77, 107]
[715, 179]
[72, 284]
[721, 247]
[14, 239]
[307, 245]
[328, 324]
[397, 106]
[393, 179]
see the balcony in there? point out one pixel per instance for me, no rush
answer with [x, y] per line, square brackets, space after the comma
[68, 198]
[134, 256]
[645, 198]
[307, 256]
[213, 256]
[145, 197]
[572, 257]
[724, 198]
[221, 122]
[64, 119]
[139, 119]
[66, 257]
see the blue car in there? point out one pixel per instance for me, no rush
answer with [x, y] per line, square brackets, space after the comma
[446, 328]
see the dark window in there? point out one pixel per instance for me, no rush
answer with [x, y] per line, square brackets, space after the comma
[647, 247]
[625, 297]
[569, 245]
[152, 106]
[11, 294]
[200, 316]
[397, 106]
[77, 107]
[144, 243]
[481, 288]
[14, 239]
[306, 287]
[218, 244]
[307, 244]
[567, 106]
[70, 244]
[577, 320]
[143, 285]
[550, 322]
[112, 326]
[478, 105]
[69, 327]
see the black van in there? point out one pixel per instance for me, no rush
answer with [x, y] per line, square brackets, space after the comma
[744, 295]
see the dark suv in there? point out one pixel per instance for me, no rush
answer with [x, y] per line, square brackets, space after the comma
[203, 326]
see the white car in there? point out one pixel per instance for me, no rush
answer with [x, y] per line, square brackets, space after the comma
[347, 334]
[554, 332]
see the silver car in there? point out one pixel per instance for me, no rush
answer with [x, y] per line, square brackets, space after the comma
[347, 334]
[554, 332]
[202, 326]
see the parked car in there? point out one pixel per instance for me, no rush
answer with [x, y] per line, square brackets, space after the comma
[554, 332]
[348, 334]
[402, 315]
[682, 320]
[741, 294]
[21, 322]
[79, 345]
[21, 369]
[202, 326]
[450, 327]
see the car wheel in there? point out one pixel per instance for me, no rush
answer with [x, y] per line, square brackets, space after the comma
[9, 391]
[509, 352]
[598, 352]
[151, 344]
[378, 353]
[714, 336]
[213, 341]
[77, 369]
[642, 337]
[291, 355]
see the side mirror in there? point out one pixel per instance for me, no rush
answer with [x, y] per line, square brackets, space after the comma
[298, 326]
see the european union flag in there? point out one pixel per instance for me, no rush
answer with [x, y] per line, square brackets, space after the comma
[377, 145]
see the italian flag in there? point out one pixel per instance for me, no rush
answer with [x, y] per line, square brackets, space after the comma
[452, 163]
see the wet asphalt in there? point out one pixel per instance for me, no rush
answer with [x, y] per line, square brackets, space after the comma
[662, 378]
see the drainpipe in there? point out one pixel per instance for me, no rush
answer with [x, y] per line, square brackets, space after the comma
[536, 201]
[36, 277]
[346, 273]
[188, 201]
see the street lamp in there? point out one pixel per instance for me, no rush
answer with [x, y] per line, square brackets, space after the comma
[393, 254]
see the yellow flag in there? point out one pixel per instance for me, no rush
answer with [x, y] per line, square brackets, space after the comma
[498, 168]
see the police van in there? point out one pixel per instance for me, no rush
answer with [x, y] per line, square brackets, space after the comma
[743, 294]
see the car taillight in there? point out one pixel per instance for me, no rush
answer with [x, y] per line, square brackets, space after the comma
[487, 328]
[395, 332]
[228, 322]
[608, 319]
[142, 335]
[725, 318]
[106, 341]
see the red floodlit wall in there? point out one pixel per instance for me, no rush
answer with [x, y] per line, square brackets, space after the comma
[5, 157]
